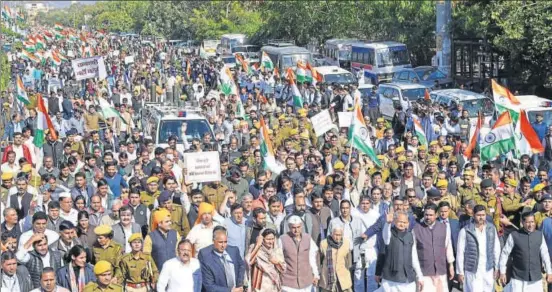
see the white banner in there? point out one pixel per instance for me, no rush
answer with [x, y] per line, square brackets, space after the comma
[322, 122]
[129, 59]
[345, 119]
[202, 166]
[89, 68]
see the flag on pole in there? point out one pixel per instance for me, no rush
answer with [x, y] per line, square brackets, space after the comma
[505, 100]
[6, 12]
[474, 137]
[419, 131]
[29, 46]
[500, 140]
[20, 16]
[359, 135]
[243, 63]
[58, 26]
[301, 71]
[276, 72]
[21, 93]
[267, 152]
[55, 58]
[39, 43]
[289, 74]
[266, 62]
[228, 85]
[528, 141]
[315, 77]
[43, 123]
[108, 111]
[30, 56]
[297, 98]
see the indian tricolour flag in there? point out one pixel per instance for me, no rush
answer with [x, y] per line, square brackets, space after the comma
[505, 100]
[21, 93]
[6, 12]
[43, 123]
[56, 60]
[58, 26]
[314, 76]
[266, 62]
[40, 42]
[301, 71]
[267, 152]
[500, 140]
[360, 136]
[30, 56]
[528, 141]
[109, 111]
[296, 94]
[228, 86]
[419, 130]
[29, 46]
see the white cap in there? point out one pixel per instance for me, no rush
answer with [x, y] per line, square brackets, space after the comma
[65, 195]
[294, 220]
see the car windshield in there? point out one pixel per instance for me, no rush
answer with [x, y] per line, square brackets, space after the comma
[194, 129]
[475, 105]
[345, 55]
[546, 114]
[426, 74]
[236, 42]
[388, 58]
[291, 60]
[246, 49]
[340, 78]
[414, 93]
[229, 60]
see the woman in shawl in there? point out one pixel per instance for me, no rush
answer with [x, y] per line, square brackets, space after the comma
[266, 263]
[334, 252]
[78, 272]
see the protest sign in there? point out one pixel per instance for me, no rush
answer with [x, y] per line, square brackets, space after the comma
[322, 122]
[89, 68]
[202, 166]
[345, 119]
[129, 59]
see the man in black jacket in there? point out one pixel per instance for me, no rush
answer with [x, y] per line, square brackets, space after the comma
[53, 148]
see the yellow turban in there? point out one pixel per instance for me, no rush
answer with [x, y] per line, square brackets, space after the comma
[102, 267]
[204, 208]
[158, 216]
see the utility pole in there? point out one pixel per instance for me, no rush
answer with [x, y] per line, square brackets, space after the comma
[443, 37]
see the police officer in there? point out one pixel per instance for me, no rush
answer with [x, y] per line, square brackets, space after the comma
[105, 249]
[138, 270]
[148, 197]
[104, 277]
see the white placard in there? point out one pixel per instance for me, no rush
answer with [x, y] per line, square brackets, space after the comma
[202, 166]
[89, 68]
[70, 53]
[322, 122]
[213, 94]
[345, 119]
[129, 59]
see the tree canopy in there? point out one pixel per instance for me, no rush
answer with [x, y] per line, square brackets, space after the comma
[521, 31]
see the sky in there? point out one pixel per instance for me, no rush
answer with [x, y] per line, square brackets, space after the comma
[54, 4]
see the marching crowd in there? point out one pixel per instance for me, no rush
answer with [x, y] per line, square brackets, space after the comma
[100, 207]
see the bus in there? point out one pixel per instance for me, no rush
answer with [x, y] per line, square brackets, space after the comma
[337, 52]
[210, 47]
[286, 57]
[251, 53]
[376, 62]
[229, 41]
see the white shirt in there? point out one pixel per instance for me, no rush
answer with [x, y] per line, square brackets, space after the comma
[481, 237]
[415, 260]
[10, 284]
[176, 276]
[51, 235]
[201, 236]
[7, 168]
[71, 216]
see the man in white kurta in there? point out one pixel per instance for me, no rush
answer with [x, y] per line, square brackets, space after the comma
[520, 285]
[400, 221]
[483, 278]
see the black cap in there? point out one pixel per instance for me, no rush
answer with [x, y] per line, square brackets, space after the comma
[433, 193]
[164, 196]
[487, 183]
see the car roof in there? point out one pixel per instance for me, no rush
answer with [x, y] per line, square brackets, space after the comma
[458, 94]
[403, 85]
[365, 85]
[330, 69]
[233, 35]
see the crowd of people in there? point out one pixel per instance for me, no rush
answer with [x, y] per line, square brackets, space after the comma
[100, 207]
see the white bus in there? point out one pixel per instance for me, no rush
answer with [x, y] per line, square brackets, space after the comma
[229, 41]
[210, 47]
[251, 53]
[376, 62]
[337, 52]
[286, 57]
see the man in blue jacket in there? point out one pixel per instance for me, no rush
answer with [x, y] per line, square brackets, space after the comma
[222, 267]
